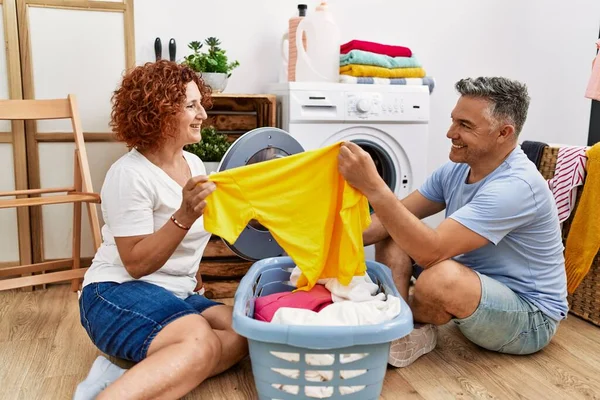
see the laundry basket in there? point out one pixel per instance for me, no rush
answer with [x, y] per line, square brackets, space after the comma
[282, 356]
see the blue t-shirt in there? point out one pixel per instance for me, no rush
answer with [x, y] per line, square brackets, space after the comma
[514, 209]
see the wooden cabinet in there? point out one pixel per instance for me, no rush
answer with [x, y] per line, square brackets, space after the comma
[234, 115]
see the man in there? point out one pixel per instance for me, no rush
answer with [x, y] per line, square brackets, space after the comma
[495, 265]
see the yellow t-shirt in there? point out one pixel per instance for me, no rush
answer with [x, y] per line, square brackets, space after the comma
[306, 204]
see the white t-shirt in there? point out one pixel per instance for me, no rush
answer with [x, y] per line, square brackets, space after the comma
[138, 198]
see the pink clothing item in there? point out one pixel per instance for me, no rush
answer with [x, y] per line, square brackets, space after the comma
[569, 173]
[593, 88]
[378, 48]
[315, 300]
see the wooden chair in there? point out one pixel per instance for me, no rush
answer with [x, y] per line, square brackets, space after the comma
[80, 192]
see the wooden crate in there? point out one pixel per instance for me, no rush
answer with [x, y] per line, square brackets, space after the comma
[233, 115]
[236, 114]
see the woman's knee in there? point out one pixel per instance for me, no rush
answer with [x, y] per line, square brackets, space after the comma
[219, 317]
[206, 347]
[203, 345]
[242, 343]
[194, 333]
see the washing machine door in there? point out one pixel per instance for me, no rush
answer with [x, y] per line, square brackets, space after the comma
[261, 144]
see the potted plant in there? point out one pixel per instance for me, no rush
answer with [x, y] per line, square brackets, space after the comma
[211, 148]
[214, 65]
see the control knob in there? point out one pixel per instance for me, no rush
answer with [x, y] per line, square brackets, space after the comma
[363, 105]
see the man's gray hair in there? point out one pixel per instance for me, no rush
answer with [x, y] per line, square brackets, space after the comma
[509, 100]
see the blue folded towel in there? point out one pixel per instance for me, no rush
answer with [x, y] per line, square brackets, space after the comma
[379, 60]
[428, 80]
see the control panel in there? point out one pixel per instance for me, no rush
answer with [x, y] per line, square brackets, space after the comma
[386, 106]
[340, 102]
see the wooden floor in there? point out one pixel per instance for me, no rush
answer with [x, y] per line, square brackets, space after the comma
[44, 353]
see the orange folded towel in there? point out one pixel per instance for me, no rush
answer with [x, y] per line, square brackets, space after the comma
[583, 241]
[380, 72]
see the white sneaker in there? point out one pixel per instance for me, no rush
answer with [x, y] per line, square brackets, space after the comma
[406, 350]
[102, 374]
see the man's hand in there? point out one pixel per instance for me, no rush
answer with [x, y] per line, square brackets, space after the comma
[358, 168]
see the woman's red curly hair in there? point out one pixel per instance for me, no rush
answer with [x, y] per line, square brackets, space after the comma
[146, 106]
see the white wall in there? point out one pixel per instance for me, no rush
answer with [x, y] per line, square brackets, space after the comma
[548, 44]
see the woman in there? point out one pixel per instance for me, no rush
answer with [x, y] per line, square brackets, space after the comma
[139, 300]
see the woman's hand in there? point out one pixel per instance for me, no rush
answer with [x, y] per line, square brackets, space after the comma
[195, 192]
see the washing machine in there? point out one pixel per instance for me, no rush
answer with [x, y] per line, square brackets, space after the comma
[390, 122]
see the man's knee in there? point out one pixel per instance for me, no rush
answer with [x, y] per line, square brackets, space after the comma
[448, 282]
[441, 275]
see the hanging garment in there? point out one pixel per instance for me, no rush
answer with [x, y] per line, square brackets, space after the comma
[568, 175]
[305, 203]
[534, 151]
[593, 87]
[583, 241]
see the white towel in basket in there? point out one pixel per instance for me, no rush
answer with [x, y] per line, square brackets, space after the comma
[342, 313]
[361, 288]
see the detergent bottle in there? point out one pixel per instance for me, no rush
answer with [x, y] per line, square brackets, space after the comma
[292, 51]
[320, 61]
[289, 54]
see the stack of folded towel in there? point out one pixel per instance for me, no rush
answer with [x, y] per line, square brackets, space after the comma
[376, 63]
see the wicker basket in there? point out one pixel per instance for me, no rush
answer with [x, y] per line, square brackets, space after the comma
[585, 301]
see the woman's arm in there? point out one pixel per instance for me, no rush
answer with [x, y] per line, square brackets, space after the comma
[145, 254]
[199, 282]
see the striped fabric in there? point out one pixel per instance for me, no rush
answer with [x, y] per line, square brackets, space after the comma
[427, 80]
[569, 173]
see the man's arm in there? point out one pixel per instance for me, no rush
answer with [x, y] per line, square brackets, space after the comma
[424, 245]
[419, 205]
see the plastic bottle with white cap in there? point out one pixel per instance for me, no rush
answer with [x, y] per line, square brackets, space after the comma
[320, 62]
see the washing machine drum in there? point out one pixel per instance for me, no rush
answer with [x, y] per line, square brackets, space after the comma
[382, 160]
[261, 144]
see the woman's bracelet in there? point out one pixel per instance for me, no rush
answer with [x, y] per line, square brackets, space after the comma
[178, 223]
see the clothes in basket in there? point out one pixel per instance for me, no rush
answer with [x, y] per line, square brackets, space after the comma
[315, 300]
[351, 359]
[358, 303]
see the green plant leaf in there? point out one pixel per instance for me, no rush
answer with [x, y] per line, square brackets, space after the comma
[214, 60]
[212, 146]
